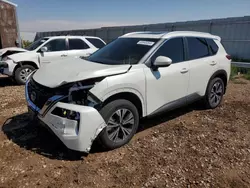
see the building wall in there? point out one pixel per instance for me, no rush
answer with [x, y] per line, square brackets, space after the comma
[234, 32]
[8, 25]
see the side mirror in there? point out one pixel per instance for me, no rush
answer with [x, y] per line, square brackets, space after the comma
[44, 49]
[161, 61]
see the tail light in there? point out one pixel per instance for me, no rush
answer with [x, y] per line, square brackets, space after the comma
[228, 57]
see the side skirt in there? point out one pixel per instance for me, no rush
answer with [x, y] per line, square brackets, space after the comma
[176, 104]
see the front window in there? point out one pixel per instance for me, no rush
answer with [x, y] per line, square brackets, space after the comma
[36, 44]
[123, 51]
[172, 48]
[56, 45]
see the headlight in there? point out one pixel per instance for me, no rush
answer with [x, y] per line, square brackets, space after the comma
[5, 58]
[81, 95]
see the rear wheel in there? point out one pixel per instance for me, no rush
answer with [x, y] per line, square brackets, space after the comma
[122, 119]
[214, 93]
[21, 74]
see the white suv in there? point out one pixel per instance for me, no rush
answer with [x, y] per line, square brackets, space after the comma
[19, 63]
[137, 75]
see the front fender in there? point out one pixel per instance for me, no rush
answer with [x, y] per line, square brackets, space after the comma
[25, 57]
[131, 82]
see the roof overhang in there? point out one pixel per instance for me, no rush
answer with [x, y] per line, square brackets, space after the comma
[9, 2]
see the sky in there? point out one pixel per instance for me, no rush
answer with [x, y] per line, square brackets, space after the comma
[51, 15]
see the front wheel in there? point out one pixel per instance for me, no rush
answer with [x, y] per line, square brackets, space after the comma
[21, 74]
[214, 93]
[122, 119]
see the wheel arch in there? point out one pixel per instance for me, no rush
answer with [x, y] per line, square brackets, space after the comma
[22, 63]
[220, 74]
[130, 96]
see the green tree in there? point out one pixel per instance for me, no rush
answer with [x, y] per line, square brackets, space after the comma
[26, 43]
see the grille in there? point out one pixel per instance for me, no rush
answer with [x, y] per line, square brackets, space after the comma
[38, 93]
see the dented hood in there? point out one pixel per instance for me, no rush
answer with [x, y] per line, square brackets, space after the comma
[70, 70]
[4, 50]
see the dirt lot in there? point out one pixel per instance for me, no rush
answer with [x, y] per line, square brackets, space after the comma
[189, 147]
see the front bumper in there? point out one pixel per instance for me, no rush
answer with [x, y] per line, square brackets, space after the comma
[3, 64]
[7, 67]
[76, 135]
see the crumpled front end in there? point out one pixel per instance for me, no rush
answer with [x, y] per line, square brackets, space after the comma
[75, 124]
[7, 67]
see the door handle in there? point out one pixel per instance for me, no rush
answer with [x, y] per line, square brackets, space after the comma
[64, 55]
[184, 70]
[213, 63]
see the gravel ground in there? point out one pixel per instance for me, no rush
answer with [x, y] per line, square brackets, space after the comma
[189, 147]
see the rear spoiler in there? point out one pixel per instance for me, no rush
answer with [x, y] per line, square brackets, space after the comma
[217, 38]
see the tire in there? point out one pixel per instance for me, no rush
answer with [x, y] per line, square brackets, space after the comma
[112, 136]
[22, 73]
[214, 93]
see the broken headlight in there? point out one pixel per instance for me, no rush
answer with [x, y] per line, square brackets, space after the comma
[79, 94]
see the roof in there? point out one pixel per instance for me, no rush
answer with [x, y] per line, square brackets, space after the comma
[164, 34]
[9, 2]
[145, 34]
[70, 36]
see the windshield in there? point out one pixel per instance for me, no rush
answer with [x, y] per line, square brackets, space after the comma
[36, 44]
[123, 51]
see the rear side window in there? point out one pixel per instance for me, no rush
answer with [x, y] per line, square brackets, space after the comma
[212, 46]
[96, 42]
[197, 48]
[77, 44]
[173, 48]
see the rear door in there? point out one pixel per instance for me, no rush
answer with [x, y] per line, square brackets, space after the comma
[79, 47]
[57, 49]
[202, 65]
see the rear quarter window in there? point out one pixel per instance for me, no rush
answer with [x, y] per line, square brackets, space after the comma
[212, 46]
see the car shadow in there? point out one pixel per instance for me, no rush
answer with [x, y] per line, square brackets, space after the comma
[31, 136]
[6, 81]
[162, 117]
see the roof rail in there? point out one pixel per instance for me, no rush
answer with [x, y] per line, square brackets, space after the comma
[139, 32]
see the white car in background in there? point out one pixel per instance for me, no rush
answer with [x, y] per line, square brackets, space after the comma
[19, 63]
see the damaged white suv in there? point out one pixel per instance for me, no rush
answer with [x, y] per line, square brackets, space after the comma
[137, 75]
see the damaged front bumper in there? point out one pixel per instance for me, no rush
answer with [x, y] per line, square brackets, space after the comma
[3, 65]
[76, 134]
[7, 67]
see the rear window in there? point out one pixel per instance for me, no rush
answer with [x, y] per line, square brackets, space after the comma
[197, 48]
[96, 42]
[212, 46]
[77, 44]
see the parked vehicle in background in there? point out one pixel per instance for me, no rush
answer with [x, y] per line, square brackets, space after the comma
[137, 75]
[19, 63]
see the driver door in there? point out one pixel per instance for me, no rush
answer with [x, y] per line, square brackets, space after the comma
[56, 50]
[167, 86]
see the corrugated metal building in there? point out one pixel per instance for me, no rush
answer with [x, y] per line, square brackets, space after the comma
[235, 32]
[9, 29]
